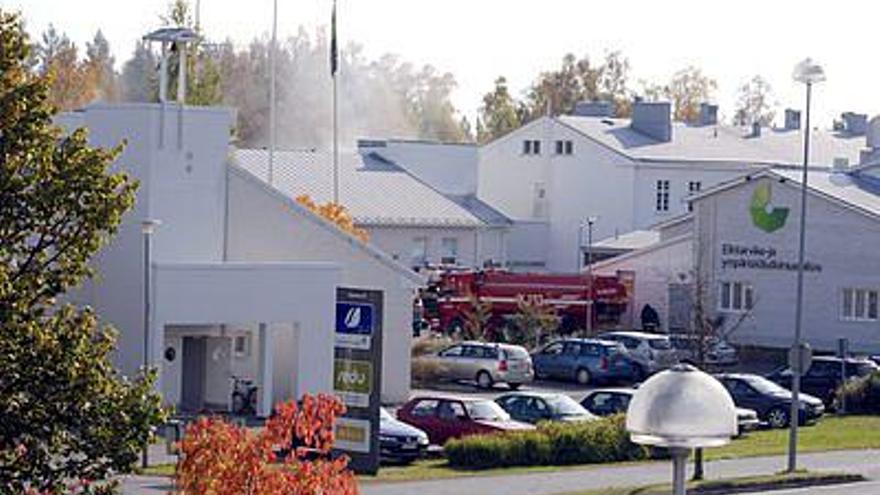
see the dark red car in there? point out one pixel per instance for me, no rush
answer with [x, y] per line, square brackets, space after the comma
[443, 418]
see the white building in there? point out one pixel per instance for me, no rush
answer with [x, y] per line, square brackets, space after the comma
[243, 278]
[631, 173]
[742, 245]
[404, 214]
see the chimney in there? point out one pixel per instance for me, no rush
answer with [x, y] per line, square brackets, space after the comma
[708, 114]
[756, 130]
[595, 108]
[855, 124]
[653, 119]
[792, 119]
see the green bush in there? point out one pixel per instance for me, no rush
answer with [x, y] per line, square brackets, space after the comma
[862, 395]
[604, 440]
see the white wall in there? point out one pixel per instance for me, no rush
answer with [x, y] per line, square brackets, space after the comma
[398, 242]
[287, 232]
[451, 168]
[526, 245]
[839, 239]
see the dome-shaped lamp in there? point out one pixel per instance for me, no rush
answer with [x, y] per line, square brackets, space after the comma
[681, 408]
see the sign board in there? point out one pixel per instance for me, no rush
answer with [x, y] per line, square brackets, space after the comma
[800, 358]
[357, 375]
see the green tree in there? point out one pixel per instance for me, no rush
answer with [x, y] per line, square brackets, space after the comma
[688, 88]
[755, 103]
[67, 415]
[203, 75]
[476, 319]
[70, 83]
[99, 64]
[499, 114]
[533, 324]
[139, 81]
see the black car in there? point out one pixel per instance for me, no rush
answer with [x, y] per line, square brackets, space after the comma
[769, 399]
[824, 376]
[534, 407]
[398, 441]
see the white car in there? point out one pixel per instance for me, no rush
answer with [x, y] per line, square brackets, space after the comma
[651, 352]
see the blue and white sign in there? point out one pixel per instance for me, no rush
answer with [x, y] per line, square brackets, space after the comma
[354, 325]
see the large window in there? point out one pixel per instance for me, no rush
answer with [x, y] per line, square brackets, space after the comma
[736, 296]
[449, 250]
[859, 305]
[662, 196]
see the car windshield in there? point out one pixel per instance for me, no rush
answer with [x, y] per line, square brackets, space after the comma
[486, 410]
[765, 386]
[384, 415]
[564, 405]
[516, 353]
[659, 344]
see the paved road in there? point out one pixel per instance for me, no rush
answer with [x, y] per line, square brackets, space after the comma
[848, 489]
[866, 462]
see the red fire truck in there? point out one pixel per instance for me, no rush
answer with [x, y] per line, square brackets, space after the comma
[450, 296]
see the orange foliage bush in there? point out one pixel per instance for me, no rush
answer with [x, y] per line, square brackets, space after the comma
[335, 213]
[220, 458]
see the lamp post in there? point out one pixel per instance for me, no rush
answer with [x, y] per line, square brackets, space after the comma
[590, 222]
[809, 73]
[148, 227]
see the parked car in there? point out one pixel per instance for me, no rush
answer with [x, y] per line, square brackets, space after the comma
[718, 351]
[652, 352]
[443, 418]
[769, 399]
[533, 407]
[608, 401]
[584, 361]
[875, 358]
[824, 376]
[485, 363]
[398, 441]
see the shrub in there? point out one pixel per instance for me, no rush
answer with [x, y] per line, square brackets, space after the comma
[862, 395]
[603, 440]
[429, 345]
[426, 371]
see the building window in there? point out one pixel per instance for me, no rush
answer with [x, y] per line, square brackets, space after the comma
[736, 296]
[449, 250]
[241, 345]
[694, 187]
[419, 253]
[531, 147]
[662, 204]
[565, 147]
[859, 305]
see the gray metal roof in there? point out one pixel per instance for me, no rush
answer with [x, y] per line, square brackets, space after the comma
[481, 210]
[637, 239]
[374, 190]
[857, 189]
[721, 143]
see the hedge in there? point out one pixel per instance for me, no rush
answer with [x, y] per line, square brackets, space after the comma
[862, 394]
[602, 440]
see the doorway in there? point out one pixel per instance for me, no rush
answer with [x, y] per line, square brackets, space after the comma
[192, 393]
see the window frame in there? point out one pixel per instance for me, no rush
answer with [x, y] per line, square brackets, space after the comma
[863, 301]
[736, 296]
[662, 188]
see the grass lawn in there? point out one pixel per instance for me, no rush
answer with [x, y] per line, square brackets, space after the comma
[735, 485]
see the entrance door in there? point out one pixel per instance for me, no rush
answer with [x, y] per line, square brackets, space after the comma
[680, 307]
[192, 394]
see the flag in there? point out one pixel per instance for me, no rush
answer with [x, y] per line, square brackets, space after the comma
[334, 56]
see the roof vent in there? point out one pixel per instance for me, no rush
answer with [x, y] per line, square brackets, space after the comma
[594, 108]
[708, 114]
[653, 119]
[855, 124]
[792, 119]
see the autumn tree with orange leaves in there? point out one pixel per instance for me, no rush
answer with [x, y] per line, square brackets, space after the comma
[219, 458]
[335, 213]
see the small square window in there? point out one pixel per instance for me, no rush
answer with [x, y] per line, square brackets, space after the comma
[241, 345]
[560, 147]
[527, 147]
[536, 147]
[569, 147]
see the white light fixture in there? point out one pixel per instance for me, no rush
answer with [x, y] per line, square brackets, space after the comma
[808, 72]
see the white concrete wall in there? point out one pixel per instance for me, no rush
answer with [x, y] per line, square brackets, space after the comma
[526, 245]
[839, 239]
[286, 232]
[451, 168]
[655, 268]
[398, 242]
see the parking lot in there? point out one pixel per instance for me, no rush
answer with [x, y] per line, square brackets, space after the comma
[573, 390]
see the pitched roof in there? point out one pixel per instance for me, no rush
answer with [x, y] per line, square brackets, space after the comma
[718, 143]
[637, 239]
[374, 190]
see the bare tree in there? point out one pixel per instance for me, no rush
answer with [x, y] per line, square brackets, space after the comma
[755, 103]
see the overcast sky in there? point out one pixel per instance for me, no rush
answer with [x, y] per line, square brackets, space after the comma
[478, 40]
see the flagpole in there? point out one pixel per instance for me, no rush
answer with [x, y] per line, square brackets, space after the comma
[335, 69]
[273, 55]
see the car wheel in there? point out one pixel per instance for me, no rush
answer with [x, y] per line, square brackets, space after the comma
[777, 417]
[582, 376]
[514, 386]
[484, 380]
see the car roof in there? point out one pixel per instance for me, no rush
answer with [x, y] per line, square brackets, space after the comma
[449, 397]
[487, 344]
[636, 335]
[737, 375]
[543, 395]
[583, 340]
[613, 390]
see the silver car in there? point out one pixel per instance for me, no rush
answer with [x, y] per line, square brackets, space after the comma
[485, 363]
[652, 352]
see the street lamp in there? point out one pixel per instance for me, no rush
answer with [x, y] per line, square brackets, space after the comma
[809, 73]
[148, 227]
[590, 221]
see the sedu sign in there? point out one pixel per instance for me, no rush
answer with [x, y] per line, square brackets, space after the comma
[765, 216]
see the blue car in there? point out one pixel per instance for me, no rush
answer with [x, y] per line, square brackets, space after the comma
[584, 361]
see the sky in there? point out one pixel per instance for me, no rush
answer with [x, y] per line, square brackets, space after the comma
[478, 40]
